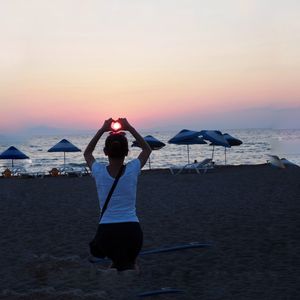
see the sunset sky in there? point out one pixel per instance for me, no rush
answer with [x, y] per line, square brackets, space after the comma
[160, 63]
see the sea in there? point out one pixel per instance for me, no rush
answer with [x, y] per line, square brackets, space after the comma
[257, 144]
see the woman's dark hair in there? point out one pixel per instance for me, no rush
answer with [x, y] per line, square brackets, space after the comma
[116, 145]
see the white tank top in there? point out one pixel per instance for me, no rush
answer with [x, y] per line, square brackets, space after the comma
[121, 207]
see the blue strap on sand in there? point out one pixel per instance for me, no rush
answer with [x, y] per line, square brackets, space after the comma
[160, 291]
[175, 248]
[161, 250]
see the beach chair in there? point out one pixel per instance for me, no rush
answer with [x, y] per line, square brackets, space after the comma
[13, 172]
[22, 172]
[64, 170]
[203, 166]
[19, 171]
[76, 171]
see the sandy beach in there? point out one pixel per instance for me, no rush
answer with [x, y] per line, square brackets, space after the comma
[250, 215]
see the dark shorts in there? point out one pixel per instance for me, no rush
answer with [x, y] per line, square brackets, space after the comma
[121, 242]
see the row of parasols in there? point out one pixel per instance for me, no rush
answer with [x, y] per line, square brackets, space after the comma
[184, 137]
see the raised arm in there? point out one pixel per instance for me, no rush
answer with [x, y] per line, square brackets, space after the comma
[88, 152]
[146, 149]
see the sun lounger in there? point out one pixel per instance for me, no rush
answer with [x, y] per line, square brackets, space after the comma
[69, 171]
[203, 166]
[22, 172]
[75, 171]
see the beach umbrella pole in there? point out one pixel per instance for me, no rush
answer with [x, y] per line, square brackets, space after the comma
[188, 151]
[225, 155]
[64, 160]
[149, 163]
[213, 150]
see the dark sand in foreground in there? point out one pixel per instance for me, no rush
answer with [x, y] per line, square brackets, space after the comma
[250, 213]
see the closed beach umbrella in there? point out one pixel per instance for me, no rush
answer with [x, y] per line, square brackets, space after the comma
[215, 137]
[64, 146]
[154, 143]
[187, 137]
[13, 153]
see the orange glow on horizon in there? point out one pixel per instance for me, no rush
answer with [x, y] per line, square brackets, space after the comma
[76, 68]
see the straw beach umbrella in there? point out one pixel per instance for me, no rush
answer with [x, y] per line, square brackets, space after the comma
[64, 146]
[13, 153]
[187, 137]
[154, 143]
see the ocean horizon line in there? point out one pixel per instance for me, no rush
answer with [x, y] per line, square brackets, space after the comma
[58, 131]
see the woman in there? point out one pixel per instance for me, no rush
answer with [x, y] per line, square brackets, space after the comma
[119, 235]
